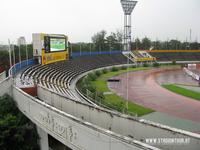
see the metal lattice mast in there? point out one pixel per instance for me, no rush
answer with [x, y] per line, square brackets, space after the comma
[128, 6]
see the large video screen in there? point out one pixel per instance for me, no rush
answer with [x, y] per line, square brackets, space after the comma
[57, 44]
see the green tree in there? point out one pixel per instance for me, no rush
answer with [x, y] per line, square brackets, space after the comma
[4, 60]
[157, 45]
[99, 39]
[112, 41]
[136, 45]
[119, 38]
[16, 131]
[175, 44]
[146, 43]
[194, 46]
[23, 52]
[4, 55]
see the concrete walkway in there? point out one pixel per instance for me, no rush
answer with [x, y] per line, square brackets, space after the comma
[173, 122]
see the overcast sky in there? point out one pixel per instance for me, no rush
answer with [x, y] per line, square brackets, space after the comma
[80, 19]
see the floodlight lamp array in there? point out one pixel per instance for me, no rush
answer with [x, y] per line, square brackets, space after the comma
[128, 6]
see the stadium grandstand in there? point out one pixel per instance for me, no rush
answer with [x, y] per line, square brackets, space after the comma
[148, 56]
[175, 55]
[57, 76]
[107, 94]
[139, 56]
[44, 89]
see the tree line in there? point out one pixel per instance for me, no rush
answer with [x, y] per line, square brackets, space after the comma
[173, 44]
[16, 131]
[101, 41]
[4, 55]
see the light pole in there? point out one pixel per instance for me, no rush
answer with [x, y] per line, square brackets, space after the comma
[13, 47]
[26, 54]
[71, 49]
[20, 55]
[90, 49]
[128, 6]
[9, 47]
[80, 50]
[190, 38]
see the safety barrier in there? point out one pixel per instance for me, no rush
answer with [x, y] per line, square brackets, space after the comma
[6, 83]
[79, 54]
[5, 86]
[173, 51]
[193, 75]
[2, 76]
[70, 130]
[119, 123]
[19, 66]
[76, 124]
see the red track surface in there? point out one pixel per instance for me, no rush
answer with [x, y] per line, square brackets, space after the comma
[144, 89]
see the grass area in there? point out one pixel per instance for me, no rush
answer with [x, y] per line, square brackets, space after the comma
[120, 104]
[94, 86]
[115, 101]
[182, 91]
[101, 82]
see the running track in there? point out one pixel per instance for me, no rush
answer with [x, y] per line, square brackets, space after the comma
[144, 89]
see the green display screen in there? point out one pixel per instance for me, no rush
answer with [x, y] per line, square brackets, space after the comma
[57, 44]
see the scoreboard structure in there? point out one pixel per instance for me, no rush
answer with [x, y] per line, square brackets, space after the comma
[50, 48]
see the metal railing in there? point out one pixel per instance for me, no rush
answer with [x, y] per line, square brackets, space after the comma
[19, 66]
[102, 103]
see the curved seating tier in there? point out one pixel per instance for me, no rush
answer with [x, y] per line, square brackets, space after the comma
[179, 56]
[57, 76]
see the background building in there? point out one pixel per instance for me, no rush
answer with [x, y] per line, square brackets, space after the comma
[21, 40]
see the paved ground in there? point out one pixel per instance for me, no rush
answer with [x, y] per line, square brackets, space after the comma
[173, 122]
[23, 84]
[144, 89]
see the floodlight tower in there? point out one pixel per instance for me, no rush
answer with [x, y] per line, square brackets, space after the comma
[128, 6]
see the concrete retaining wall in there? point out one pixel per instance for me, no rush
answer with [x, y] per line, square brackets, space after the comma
[190, 73]
[5, 86]
[71, 131]
[2, 76]
[124, 125]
